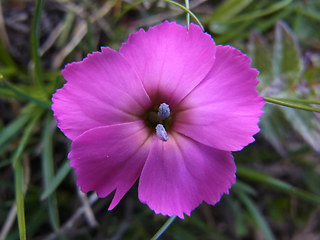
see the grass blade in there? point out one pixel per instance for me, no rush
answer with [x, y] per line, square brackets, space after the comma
[61, 174]
[259, 177]
[18, 175]
[9, 131]
[279, 5]
[27, 94]
[257, 216]
[48, 171]
[229, 9]
[35, 42]
[19, 186]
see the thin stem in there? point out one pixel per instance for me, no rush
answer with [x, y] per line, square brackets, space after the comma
[188, 14]
[188, 11]
[297, 100]
[163, 228]
[35, 42]
[292, 105]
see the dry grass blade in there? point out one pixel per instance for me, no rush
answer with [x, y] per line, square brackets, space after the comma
[3, 32]
[88, 213]
[72, 221]
[156, 18]
[9, 222]
[80, 31]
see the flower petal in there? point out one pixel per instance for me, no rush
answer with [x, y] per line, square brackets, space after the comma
[102, 89]
[109, 158]
[170, 59]
[224, 109]
[181, 173]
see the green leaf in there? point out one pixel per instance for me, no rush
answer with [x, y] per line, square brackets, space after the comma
[240, 32]
[261, 12]
[275, 128]
[287, 63]
[224, 12]
[228, 9]
[306, 124]
[261, 59]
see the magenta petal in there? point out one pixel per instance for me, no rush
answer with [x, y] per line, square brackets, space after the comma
[102, 89]
[109, 158]
[223, 110]
[170, 59]
[179, 174]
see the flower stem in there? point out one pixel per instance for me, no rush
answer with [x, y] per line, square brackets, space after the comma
[163, 228]
[297, 100]
[291, 104]
[188, 14]
[188, 11]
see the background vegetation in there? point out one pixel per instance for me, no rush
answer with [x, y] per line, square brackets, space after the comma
[277, 194]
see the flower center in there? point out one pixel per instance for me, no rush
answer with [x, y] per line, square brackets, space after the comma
[159, 119]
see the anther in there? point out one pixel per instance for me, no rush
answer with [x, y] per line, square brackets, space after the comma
[161, 133]
[164, 110]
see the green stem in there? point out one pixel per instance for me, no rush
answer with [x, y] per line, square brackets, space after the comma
[163, 228]
[35, 42]
[188, 14]
[188, 11]
[292, 105]
[297, 100]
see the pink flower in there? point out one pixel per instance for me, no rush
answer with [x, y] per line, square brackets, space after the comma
[168, 107]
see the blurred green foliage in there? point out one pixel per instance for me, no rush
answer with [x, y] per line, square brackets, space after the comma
[277, 192]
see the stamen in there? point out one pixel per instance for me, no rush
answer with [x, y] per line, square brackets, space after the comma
[161, 132]
[164, 110]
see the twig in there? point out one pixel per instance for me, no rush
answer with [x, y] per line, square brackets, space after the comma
[52, 38]
[88, 213]
[9, 222]
[125, 222]
[79, 32]
[71, 222]
[156, 18]
[3, 32]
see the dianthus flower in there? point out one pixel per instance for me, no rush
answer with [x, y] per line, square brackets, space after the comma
[168, 107]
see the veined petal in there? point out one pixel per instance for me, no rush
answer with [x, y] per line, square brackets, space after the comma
[170, 59]
[109, 158]
[223, 110]
[181, 173]
[102, 89]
